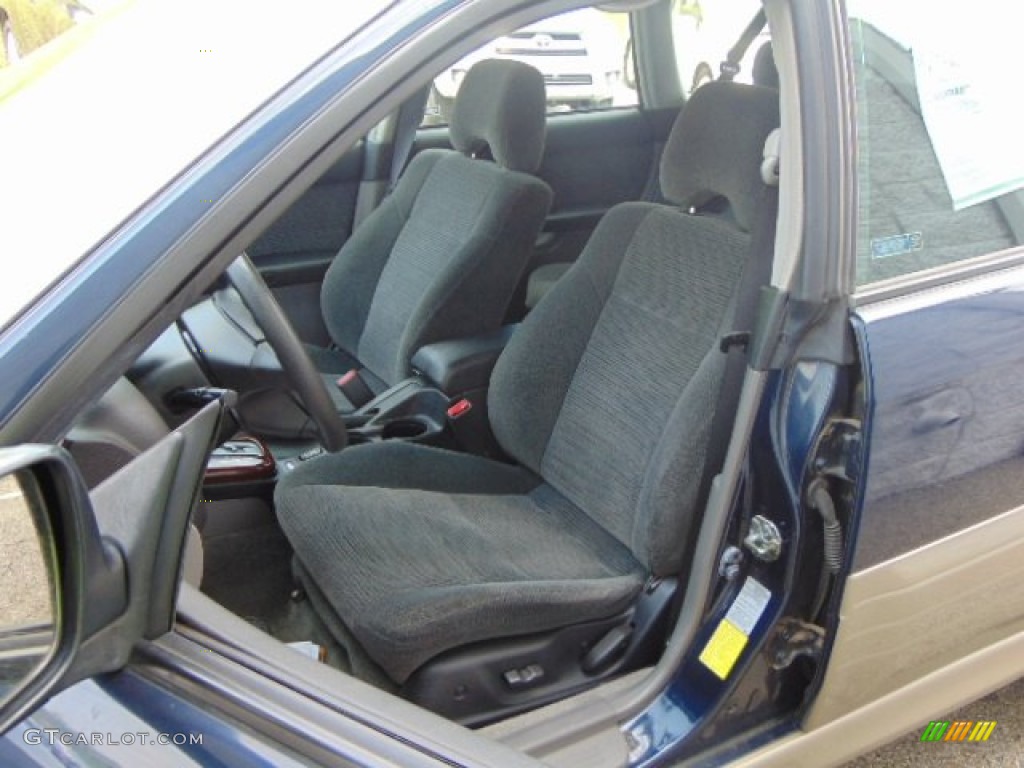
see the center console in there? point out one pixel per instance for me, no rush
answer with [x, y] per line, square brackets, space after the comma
[410, 410]
[460, 366]
[461, 369]
[444, 403]
[217, 344]
[243, 459]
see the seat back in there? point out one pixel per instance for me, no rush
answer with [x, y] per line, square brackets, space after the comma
[441, 256]
[608, 388]
[764, 71]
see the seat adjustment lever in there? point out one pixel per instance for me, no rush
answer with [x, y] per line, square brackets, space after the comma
[608, 649]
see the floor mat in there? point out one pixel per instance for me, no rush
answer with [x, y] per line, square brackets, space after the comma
[249, 573]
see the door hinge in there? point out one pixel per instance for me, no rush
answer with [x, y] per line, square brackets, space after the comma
[792, 639]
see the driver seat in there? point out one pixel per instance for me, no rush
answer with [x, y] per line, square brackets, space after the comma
[420, 559]
[441, 256]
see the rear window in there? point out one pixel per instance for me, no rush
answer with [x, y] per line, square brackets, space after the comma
[585, 57]
[703, 32]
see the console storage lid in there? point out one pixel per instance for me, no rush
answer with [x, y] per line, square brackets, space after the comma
[461, 365]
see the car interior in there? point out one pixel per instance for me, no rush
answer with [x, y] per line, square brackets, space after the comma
[476, 411]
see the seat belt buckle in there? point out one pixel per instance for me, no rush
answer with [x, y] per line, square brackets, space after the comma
[355, 390]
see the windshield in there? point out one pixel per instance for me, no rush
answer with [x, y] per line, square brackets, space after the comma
[103, 102]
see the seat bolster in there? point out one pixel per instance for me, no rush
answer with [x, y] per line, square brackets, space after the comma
[662, 537]
[396, 464]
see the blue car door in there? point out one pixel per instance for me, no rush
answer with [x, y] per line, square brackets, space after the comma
[938, 572]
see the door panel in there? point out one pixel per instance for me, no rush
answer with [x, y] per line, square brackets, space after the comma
[592, 161]
[295, 251]
[910, 617]
[939, 565]
[947, 424]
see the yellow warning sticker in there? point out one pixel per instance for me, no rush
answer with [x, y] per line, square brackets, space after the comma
[722, 650]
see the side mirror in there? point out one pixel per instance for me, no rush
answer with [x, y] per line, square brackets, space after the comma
[49, 549]
[29, 598]
[74, 603]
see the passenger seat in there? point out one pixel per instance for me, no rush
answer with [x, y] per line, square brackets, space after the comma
[543, 278]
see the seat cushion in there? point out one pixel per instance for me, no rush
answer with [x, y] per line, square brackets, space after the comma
[432, 550]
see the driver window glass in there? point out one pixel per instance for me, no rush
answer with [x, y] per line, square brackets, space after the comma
[584, 56]
[940, 171]
[28, 605]
[703, 31]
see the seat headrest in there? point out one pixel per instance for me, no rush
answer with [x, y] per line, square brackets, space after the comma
[501, 105]
[716, 148]
[764, 72]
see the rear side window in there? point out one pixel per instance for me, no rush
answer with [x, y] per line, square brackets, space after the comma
[703, 31]
[941, 161]
[585, 57]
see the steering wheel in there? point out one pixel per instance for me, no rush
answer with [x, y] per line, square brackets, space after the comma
[303, 376]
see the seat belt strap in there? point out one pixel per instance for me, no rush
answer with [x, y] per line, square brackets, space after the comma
[410, 115]
[736, 345]
[731, 66]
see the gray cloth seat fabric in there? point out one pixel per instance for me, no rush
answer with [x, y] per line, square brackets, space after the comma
[764, 72]
[604, 397]
[441, 256]
[497, 556]
[542, 280]
[330, 360]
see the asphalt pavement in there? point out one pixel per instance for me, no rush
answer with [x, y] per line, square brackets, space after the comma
[1004, 749]
[24, 583]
